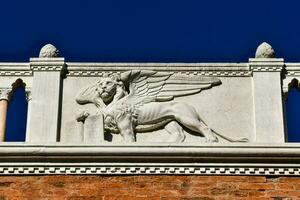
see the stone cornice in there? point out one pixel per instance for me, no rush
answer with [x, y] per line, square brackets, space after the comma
[203, 69]
[47, 64]
[99, 69]
[15, 69]
[266, 64]
[236, 159]
[292, 69]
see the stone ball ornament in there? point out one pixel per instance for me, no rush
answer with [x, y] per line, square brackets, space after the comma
[265, 50]
[49, 51]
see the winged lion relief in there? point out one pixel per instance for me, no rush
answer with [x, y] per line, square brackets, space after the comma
[142, 101]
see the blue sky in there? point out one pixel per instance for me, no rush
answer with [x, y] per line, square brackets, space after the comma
[156, 30]
[149, 31]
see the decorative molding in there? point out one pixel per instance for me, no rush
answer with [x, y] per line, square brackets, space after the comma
[15, 69]
[267, 68]
[220, 73]
[150, 170]
[266, 64]
[99, 69]
[217, 159]
[196, 73]
[293, 73]
[47, 68]
[292, 69]
[89, 73]
[16, 73]
[203, 69]
[47, 64]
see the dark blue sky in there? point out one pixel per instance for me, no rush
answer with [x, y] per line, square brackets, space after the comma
[153, 30]
[150, 30]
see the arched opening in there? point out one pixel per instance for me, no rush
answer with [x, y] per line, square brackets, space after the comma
[292, 106]
[16, 112]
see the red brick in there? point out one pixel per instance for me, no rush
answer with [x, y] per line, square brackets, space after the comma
[296, 186]
[256, 186]
[231, 178]
[257, 179]
[289, 180]
[255, 193]
[284, 194]
[284, 186]
[156, 187]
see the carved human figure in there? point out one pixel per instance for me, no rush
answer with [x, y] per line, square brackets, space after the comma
[139, 100]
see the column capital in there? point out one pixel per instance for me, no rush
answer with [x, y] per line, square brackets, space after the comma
[4, 93]
[28, 95]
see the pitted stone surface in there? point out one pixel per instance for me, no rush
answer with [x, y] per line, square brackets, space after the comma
[49, 51]
[265, 50]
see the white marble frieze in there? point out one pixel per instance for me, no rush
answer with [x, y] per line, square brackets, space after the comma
[225, 102]
[153, 118]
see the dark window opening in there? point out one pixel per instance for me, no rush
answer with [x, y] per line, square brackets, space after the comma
[292, 106]
[16, 113]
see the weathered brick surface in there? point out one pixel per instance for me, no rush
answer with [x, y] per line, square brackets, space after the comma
[72, 187]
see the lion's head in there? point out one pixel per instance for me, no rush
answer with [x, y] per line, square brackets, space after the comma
[109, 88]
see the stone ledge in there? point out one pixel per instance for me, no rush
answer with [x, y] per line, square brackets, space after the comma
[210, 159]
[203, 69]
[236, 159]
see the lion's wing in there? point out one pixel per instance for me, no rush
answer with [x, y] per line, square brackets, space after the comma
[164, 86]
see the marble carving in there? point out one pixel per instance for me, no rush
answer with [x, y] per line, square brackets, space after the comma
[49, 51]
[264, 50]
[134, 113]
[142, 100]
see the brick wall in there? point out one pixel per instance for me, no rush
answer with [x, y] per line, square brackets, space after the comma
[72, 187]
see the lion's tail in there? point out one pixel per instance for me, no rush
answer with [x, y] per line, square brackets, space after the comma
[230, 139]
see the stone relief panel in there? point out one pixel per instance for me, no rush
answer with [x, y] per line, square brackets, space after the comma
[151, 106]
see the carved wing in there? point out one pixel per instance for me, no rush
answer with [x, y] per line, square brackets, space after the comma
[164, 86]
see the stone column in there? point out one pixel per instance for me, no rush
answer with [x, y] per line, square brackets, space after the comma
[44, 115]
[267, 95]
[3, 112]
[28, 98]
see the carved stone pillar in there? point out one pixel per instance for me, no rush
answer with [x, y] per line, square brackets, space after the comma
[267, 95]
[3, 112]
[44, 115]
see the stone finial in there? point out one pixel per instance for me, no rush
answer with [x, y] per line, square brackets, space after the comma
[49, 51]
[264, 50]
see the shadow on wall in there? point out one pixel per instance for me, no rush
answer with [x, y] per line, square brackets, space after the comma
[16, 116]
